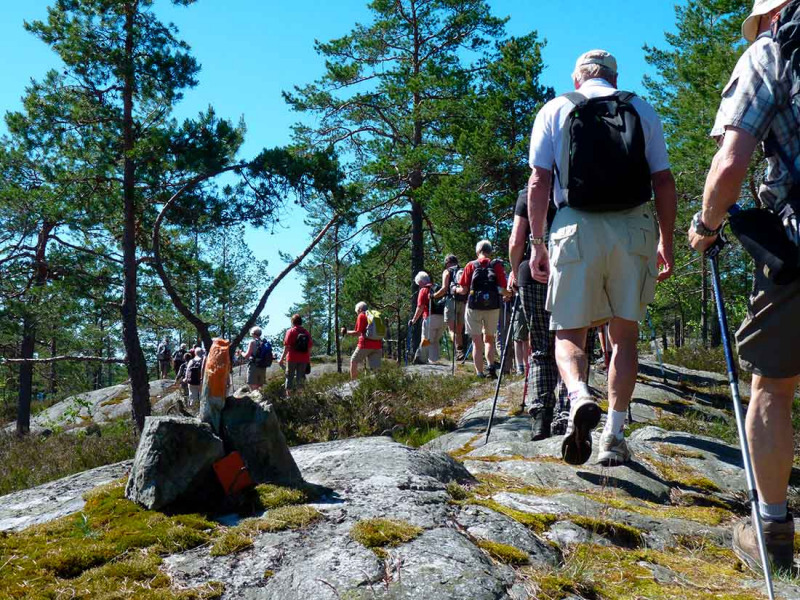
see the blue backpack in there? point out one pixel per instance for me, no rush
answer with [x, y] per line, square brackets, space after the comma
[263, 356]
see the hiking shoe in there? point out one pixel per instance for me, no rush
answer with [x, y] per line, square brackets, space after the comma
[780, 544]
[559, 425]
[481, 375]
[493, 372]
[540, 426]
[613, 450]
[584, 416]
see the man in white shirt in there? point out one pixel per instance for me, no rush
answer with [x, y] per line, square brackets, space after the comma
[604, 154]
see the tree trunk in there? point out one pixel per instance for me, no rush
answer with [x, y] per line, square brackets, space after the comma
[329, 336]
[28, 344]
[53, 349]
[137, 366]
[336, 310]
[417, 265]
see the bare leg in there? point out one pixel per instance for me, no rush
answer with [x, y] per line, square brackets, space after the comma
[491, 354]
[769, 433]
[623, 336]
[353, 370]
[477, 353]
[571, 356]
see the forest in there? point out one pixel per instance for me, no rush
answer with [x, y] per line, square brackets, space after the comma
[121, 223]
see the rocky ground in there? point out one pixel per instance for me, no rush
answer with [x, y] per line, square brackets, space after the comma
[503, 520]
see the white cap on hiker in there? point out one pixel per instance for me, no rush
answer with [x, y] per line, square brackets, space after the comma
[760, 8]
[597, 57]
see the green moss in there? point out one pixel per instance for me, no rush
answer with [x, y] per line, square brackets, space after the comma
[377, 533]
[537, 522]
[619, 533]
[493, 483]
[456, 491]
[269, 574]
[281, 519]
[416, 436]
[673, 451]
[676, 471]
[460, 453]
[706, 515]
[231, 542]
[504, 553]
[114, 401]
[274, 496]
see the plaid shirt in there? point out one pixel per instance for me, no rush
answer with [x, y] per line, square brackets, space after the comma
[756, 100]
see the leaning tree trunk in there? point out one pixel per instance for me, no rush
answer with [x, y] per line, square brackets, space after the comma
[137, 366]
[337, 286]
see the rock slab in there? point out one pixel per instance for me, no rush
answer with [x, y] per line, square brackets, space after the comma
[175, 456]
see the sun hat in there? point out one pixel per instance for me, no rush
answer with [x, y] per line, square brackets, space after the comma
[597, 57]
[760, 8]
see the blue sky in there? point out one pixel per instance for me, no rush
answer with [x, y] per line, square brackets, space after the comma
[251, 50]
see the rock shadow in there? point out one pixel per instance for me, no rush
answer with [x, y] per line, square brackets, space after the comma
[721, 452]
[606, 480]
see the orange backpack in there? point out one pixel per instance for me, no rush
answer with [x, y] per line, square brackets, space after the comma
[218, 367]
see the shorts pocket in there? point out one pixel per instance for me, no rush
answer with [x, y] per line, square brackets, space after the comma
[641, 237]
[565, 245]
[649, 283]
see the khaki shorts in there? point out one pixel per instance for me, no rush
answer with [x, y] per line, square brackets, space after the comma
[372, 357]
[770, 331]
[520, 327]
[602, 265]
[256, 375]
[452, 310]
[295, 375]
[484, 321]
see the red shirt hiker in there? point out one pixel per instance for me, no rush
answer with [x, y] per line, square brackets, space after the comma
[500, 272]
[424, 300]
[362, 322]
[293, 355]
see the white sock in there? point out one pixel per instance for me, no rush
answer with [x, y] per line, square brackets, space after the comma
[616, 421]
[578, 389]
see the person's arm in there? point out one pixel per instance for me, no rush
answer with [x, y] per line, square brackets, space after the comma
[666, 209]
[465, 280]
[445, 285]
[417, 315]
[724, 182]
[516, 247]
[538, 200]
[502, 282]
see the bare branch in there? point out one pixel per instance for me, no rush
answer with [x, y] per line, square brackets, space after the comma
[53, 359]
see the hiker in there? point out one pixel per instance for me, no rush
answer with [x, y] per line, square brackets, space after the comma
[370, 331]
[180, 376]
[216, 379]
[193, 375]
[432, 315]
[260, 357]
[484, 281]
[455, 305]
[609, 157]
[164, 357]
[755, 108]
[297, 344]
[178, 358]
[543, 375]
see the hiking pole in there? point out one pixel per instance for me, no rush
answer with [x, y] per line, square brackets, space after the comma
[500, 376]
[455, 333]
[733, 377]
[654, 339]
[408, 343]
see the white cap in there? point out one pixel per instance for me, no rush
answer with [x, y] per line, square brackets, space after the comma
[597, 57]
[760, 8]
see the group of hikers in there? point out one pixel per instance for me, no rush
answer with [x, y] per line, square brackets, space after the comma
[586, 250]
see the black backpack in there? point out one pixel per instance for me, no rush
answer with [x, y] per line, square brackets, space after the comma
[263, 356]
[454, 282]
[436, 307]
[301, 342]
[603, 166]
[163, 351]
[483, 293]
[195, 370]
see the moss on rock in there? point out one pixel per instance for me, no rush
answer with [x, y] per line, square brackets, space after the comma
[377, 533]
[504, 553]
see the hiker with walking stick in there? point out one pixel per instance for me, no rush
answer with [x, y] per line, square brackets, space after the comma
[455, 305]
[757, 107]
[607, 150]
[543, 371]
[484, 281]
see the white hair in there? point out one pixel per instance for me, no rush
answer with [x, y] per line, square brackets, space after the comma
[361, 307]
[484, 247]
[256, 332]
[587, 72]
[422, 278]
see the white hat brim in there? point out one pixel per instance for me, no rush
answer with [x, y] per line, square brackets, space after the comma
[750, 25]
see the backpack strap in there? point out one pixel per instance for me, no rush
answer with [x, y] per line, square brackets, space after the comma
[576, 98]
[625, 96]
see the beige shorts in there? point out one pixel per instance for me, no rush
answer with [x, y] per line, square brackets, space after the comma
[256, 375]
[482, 321]
[602, 265]
[372, 357]
[454, 310]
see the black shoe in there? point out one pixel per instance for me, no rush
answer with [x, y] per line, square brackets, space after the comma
[540, 426]
[584, 415]
[493, 372]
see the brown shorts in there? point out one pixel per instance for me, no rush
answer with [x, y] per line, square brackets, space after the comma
[768, 335]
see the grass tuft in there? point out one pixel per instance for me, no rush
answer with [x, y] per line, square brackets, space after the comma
[504, 553]
[456, 491]
[378, 533]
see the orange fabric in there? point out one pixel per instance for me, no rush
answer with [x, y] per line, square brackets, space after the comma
[218, 367]
[232, 474]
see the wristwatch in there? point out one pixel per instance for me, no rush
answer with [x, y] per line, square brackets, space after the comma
[701, 229]
[537, 240]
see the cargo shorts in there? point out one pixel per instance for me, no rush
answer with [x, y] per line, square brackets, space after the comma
[768, 336]
[603, 265]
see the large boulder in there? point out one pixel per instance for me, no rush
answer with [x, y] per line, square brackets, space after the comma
[174, 461]
[253, 430]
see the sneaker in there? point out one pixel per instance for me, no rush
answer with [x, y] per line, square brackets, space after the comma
[780, 544]
[584, 416]
[613, 450]
[493, 372]
[559, 425]
[540, 426]
[481, 375]
[520, 370]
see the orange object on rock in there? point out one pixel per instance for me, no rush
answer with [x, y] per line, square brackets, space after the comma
[218, 367]
[233, 474]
